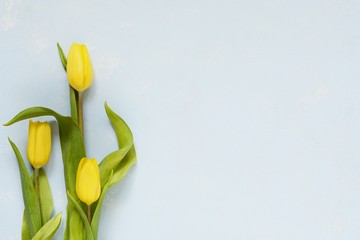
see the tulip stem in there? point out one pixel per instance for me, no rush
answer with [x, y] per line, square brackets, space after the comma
[80, 114]
[89, 213]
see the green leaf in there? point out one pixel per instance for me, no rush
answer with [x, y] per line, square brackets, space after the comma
[49, 229]
[72, 148]
[114, 167]
[122, 130]
[73, 93]
[89, 232]
[110, 162]
[72, 144]
[32, 209]
[96, 215]
[124, 166]
[62, 56]
[75, 228]
[125, 143]
[46, 203]
[25, 230]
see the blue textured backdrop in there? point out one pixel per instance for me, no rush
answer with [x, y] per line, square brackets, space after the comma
[245, 113]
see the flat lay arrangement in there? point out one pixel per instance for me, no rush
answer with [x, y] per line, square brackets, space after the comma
[87, 180]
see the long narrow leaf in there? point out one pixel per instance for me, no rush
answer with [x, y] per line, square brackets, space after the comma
[125, 143]
[49, 229]
[122, 130]
[121, 172]
[72, 147]
[83, 217]
[75, 228]
[73, 93]
[25, 229]
[62, 56]
[96, 216]
[32, 209]
[46, 203]
[116, 165]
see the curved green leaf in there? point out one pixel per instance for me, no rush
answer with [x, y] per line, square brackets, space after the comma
[74, 224]
[110, 162]
[124, 166]
[125, 143]
[72, 148]
[89, 232]
[32, 209]
[49, 229]
[122, 130]
[96, 215]
[72, 144]
[116, 165]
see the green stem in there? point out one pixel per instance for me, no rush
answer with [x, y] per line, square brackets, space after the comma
[89, 213]
[37, 191]
[80, 114]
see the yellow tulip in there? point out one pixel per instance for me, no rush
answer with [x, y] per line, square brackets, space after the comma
[79, 69]
[39, 143]
[88, 181]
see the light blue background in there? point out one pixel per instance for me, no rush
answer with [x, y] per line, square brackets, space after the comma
[245, 113]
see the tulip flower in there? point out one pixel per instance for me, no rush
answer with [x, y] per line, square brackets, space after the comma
[88, 181]
[79, 68]
[39, 143]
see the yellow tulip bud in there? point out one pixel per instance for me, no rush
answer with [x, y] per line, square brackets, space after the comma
[79, 69]
[39, 143]
[88, 181]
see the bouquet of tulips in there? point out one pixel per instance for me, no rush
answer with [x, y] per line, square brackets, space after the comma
[86, 181]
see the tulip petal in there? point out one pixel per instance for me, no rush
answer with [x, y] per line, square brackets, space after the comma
[88, 181]
[39, 143]
[75, 70]
[78, 68]
[88, 69]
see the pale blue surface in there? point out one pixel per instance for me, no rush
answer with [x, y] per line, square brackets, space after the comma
[246, 114]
